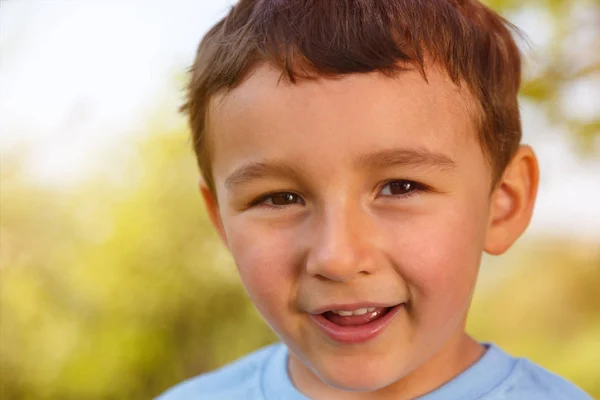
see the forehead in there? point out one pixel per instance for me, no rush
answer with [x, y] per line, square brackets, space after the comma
[330, 121]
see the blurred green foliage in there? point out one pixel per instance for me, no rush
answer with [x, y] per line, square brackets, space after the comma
[568, 63]
[117, 287]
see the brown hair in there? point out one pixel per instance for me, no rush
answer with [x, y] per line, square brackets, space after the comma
[311, 38]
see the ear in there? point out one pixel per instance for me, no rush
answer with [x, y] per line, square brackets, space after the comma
[512, 201]
[212, 207]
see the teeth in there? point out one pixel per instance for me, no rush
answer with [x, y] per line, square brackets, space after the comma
[360, 311]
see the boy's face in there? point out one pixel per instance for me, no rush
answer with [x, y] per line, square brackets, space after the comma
[364, 191]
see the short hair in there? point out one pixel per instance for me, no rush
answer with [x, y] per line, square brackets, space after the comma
[308, 39]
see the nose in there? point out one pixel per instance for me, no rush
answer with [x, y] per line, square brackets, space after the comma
[343, 245]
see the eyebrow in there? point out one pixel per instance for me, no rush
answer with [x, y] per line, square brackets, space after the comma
[258, 170]
[413, 157]
[379, 159]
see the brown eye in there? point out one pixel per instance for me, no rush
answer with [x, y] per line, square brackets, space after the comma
[399, 188]
[282, 199]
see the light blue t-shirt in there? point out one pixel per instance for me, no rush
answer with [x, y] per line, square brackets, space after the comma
[262, 375]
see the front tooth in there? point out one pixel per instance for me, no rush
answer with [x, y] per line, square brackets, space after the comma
[344, 313]
[371, 309]
[360, 311]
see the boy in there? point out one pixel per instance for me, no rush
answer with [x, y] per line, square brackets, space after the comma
[358, 157]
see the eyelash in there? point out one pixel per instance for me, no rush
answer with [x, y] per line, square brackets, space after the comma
[417, 188]
[261, 200]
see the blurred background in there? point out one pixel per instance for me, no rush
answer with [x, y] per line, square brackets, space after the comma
[112, 283]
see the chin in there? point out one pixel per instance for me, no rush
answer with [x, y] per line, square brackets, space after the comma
[359, 378]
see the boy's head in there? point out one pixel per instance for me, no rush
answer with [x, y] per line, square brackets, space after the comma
[360, 155]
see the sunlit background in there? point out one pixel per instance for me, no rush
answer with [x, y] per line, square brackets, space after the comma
[114, 286]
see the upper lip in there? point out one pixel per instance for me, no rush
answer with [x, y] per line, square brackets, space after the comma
[353, 306]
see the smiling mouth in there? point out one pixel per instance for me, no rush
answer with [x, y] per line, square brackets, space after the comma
[356, 326]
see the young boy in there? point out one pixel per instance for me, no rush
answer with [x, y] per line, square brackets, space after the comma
[358, 157]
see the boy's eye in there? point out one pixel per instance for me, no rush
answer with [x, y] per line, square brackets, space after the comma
[400, 188]
[280, 199]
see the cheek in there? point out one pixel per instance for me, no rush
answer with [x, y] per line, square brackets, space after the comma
[265, 261]
[440, 259]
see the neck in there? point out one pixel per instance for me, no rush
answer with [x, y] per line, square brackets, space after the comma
[457, 354]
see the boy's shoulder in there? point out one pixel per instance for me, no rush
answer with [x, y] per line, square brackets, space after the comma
[240, 379]
[530, 381]
[499, 376]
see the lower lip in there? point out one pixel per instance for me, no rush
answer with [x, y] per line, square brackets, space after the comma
[353, 334]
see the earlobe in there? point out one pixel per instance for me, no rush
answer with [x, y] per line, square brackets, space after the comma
[512, 201]
[212, 208]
